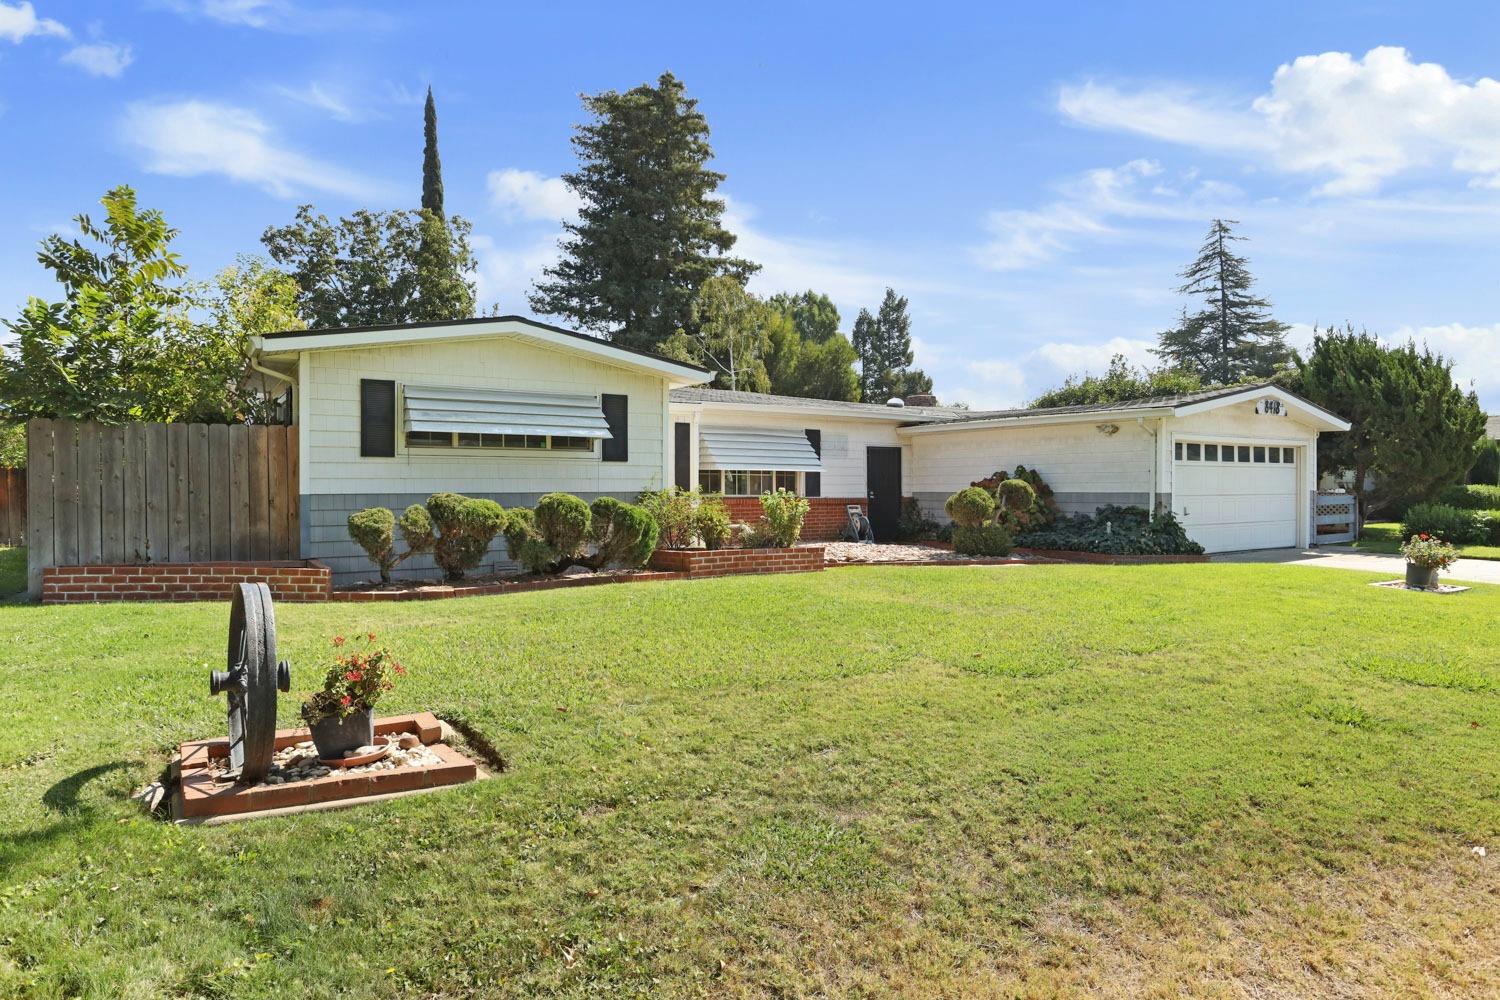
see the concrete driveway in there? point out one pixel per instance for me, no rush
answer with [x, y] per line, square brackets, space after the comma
[1342, 557]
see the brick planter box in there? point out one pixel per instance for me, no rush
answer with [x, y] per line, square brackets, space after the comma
[726, 562]
[1109, 559]
[825, 515]
[289, 581]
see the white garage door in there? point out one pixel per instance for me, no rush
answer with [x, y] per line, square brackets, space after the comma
[1231, 497]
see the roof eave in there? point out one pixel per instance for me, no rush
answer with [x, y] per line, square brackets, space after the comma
[1028, 419]
[1310, 412]
[895, 413]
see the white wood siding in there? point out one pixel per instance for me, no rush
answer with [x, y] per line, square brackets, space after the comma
[330, 410]
[1072, 458]
[844, 443]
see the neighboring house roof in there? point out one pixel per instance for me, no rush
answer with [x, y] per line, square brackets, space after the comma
[1492, 426]
[344, 338]
[930, 418]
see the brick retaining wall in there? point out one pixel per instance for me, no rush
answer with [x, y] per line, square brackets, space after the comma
[825, 515]
[289, 581]
[723, 562]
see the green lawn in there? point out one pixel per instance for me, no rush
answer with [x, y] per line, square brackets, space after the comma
[1219, 780]
[1385, 536]
[12, 572]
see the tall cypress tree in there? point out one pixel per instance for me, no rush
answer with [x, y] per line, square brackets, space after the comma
[883, 344]
[649, 232]
[432, 167]
[1233, 337]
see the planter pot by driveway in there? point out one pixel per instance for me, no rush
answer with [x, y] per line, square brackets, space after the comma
[1421, 576]
[333, 735]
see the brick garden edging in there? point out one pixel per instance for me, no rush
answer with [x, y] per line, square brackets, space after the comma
[698, 563]
[289, 581]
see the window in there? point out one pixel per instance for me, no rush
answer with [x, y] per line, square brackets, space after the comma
[1195, 452]
[532, 442]
[1226, 453]
[1210, 453]
[786, 481]
[1287, 456]
[1260, 453]
[1244, 453]
[745, 483]
[1178, 447]
[711, 480]
[1275, 455]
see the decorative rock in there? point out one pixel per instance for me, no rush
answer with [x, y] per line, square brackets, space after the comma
[409, 740]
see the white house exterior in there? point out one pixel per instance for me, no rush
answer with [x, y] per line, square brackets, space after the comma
[508, 408]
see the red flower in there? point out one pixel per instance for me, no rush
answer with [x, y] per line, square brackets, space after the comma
[1424, 536]
[354, 675]
[370, 636]
[399, 669]
[345, 700]
[338, 640]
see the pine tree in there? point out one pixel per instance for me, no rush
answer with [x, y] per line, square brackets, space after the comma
[649, 233]
[883, 345]
[432, 166]
[1233, 338]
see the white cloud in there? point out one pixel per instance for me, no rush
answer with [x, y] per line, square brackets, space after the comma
[191, 138]
[1075, 358]
[1356, 121]
[19, 22]
[526, 194]
[1472, 349]
[989, 384]
[280, 15]
[251, 13]
[324, 98]
[100, 58]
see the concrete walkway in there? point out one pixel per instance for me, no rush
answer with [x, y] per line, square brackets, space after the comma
[1342, 557]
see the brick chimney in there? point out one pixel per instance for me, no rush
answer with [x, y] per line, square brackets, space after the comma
[921, 399]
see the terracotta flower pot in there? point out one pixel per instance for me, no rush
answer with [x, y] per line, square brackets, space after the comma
[333, 735]
[1424, 577]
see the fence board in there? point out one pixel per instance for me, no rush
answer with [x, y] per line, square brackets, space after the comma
[199, 484]
[12, 506]
[293, 493]
[220, 528]
[90, 494]
[177, 471]
[41, 533]
[158, 496]
[65, 496]
[239, 491]
[112, 494]
[277, 483]
[134, 474]
[260, 507]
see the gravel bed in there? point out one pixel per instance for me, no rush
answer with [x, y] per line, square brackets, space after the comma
[864, 552]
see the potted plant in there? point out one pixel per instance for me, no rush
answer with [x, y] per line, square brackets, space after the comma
[1425, 556]
[342, 715]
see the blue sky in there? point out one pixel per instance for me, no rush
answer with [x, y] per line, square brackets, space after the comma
[1031, 179]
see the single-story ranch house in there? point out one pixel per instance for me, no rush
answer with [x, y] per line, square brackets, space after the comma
[509, 408]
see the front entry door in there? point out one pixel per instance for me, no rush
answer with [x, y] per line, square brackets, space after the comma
[883, 483]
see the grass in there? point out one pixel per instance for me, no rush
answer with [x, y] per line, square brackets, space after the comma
[1385, 536]
[12, 571]
[1216, 780]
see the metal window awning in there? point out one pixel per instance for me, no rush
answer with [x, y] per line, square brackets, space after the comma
[757, 448]
[491, 411]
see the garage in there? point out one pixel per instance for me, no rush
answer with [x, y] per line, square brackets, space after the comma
[1232, 496]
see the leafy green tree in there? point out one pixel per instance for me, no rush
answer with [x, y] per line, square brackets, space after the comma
[816, 316]
[97, 354]
[883, 345]
[1413, 428]
[1233, 338]
[729, 333]
[784, 351]
[649, 234]
[12, 446]
[246, 300]
[1485, 471]
[376, 268]
[1121, 383]
[813, 360]
[825, 370]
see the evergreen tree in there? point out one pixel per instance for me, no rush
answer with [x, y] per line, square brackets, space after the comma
[1233, 338]
[649, 233]
[432, 167]
[883, 345]
[825, 370]
[816, 316]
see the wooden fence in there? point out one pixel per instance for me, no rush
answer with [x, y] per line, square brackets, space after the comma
[159, 493]
[12, 506]
[1335, 518]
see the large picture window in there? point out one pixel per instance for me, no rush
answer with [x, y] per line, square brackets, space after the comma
[524, 442]
[745, 482]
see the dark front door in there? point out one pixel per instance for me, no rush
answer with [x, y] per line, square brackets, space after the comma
[883, 483]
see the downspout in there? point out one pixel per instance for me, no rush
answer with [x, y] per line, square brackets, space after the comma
[1155, 442]
[289, 380]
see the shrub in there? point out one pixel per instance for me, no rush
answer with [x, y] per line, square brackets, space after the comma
[970, 507]
[623, 533]
[1472, 497]
[456, 529]
[985, 540]
[914, 525]
[1016, 494]
[675, 512]
[1040, 514]
[1486, 468]
[520, 527]
[784, 513]
[1451, 524]
[374, 530]
[562, 521]
[712, 521]
[1117, 531]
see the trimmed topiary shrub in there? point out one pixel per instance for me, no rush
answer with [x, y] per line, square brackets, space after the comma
[623, 533]
[970, 507]
[985, 540]
[562, 521]
[374, 530]
[456, 529]
[520, 527]
[784, 513]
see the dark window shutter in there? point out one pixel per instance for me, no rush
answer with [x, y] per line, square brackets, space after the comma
[682, 457]
[377, 418]
[812, 482]
[617, 416]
